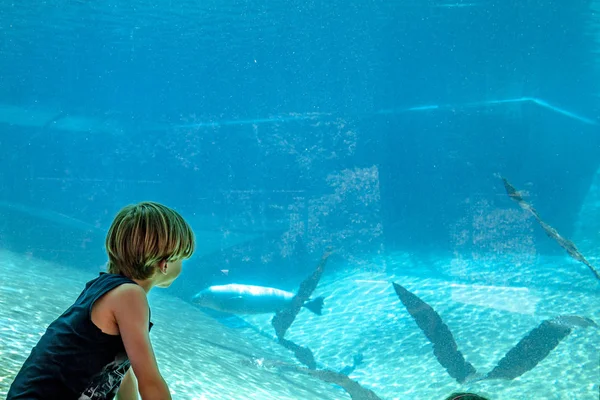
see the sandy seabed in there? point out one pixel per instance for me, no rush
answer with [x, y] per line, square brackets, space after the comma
[202, 358]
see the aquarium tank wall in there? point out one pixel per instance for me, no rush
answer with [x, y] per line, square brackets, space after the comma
[399, 200]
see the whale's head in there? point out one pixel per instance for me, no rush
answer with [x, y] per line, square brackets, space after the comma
[204, 298]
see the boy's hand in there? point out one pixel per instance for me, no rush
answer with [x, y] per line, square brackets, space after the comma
[132, 316]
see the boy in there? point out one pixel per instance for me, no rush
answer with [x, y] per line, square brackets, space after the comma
[87, 352]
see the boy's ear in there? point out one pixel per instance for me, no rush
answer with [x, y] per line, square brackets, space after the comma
[162, 266]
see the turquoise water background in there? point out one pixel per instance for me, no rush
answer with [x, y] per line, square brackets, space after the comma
[380, 128]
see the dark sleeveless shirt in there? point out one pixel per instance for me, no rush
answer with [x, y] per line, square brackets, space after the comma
[74, 359]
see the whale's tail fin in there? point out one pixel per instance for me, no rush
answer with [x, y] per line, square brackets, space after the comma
[444, 346]
[524, 356]
[315, 305]
[538, 343]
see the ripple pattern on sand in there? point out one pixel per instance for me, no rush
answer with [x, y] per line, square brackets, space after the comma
[203, 359]
[192, 349]
[362, 313]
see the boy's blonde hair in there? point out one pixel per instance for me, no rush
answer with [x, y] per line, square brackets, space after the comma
[143, 234]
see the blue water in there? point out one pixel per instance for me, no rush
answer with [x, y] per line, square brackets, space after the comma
[279, 128]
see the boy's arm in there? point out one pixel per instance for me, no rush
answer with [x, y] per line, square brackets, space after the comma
[132, 316]
[128, 389]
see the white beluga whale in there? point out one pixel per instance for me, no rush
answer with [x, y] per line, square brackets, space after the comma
[237, 298]
[248, 299]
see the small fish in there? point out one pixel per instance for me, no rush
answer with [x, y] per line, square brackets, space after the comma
[249, 299]
[456, 5]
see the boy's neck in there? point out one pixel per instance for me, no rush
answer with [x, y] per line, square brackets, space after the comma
[146, 284]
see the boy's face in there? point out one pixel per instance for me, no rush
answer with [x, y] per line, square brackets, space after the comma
[173, 271]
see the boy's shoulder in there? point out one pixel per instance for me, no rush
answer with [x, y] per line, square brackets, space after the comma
[130, 291]
[116, 291]
[127, 300]
[129, 303]
[128, 294]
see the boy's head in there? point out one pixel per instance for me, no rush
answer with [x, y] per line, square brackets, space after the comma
[465, 396]
[144, 236]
